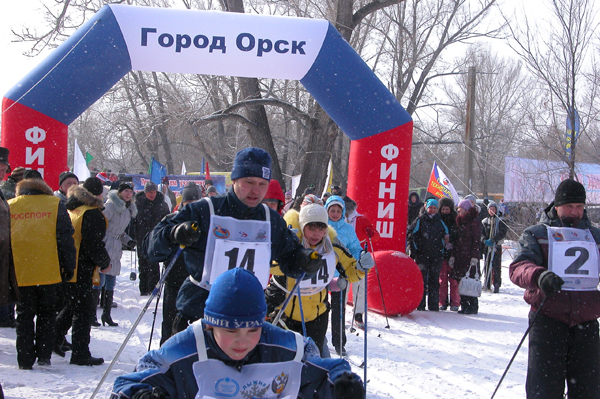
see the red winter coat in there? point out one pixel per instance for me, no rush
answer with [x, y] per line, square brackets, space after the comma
[467, 245]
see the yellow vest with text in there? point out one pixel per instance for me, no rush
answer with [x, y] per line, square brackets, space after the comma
[77, 220]
[33, 236]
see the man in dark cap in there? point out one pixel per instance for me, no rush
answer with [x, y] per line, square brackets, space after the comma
[9, 186]
[230, 230]
[152, 208]
[558, 265]
[65, 181]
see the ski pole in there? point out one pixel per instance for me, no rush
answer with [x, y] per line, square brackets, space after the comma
[379, 282]
[301, 311]
[287, 300]
[155, 311]
[365, 319]
[535, 315]
[137, 321]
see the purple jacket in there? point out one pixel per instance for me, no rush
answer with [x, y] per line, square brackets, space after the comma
[569, 307]
[467, 245]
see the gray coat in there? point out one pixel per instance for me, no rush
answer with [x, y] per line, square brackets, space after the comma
[118, 215]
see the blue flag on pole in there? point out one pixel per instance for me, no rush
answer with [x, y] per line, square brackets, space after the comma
[202, 170]
[572, 132]
[157, 171]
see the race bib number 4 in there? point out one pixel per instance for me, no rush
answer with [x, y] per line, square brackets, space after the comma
[232, 254]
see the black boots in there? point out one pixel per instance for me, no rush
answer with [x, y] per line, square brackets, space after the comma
[108, 299]
[87, 361]
[96, 294]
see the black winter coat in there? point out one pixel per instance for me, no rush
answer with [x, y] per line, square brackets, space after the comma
[426, 238]
[150, 213]
[414, 209]
[467, 247]
[92, 250]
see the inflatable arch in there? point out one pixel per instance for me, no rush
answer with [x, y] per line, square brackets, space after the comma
[119, 38]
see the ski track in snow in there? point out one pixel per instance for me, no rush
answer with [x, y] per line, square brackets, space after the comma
[423, 355]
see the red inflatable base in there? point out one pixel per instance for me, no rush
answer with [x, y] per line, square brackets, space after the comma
[401, 284]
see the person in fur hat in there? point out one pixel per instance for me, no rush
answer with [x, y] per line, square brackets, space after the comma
[84, 204]
[314, 233]
[42, 261]
[119, 210]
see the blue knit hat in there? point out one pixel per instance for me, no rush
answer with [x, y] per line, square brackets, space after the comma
[432, 202]
[236, 300]
[251, 162]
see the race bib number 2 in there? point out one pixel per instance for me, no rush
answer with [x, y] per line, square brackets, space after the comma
[577, 264]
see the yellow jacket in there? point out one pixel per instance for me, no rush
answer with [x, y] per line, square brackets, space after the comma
[315, 305]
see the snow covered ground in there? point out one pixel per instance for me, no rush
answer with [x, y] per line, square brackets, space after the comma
[423, 355]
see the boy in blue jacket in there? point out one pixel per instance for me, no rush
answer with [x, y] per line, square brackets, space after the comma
[232, 353]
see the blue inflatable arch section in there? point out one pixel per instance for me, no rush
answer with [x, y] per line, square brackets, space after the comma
[102, 51]
[119, 38]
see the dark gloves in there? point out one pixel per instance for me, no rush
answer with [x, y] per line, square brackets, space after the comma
[67, 275]
[310, 261]
[154, 393]
[131, 244]
[185, 234]
[348, 386]
[549, 282]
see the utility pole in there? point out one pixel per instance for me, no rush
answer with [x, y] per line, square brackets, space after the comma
[469, 156]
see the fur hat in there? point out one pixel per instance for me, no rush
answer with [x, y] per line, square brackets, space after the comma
[569, 192]
[445, 201]
[32, 174]
[17, 173]
[65, 175]
[211, 189]
[150, 186]
[190, 192]
[93, 185]
[251, 162]
[312, 213]
[4, 157]
[236, 300]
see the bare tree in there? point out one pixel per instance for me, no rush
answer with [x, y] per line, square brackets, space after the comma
[558, 56]
[503, 93]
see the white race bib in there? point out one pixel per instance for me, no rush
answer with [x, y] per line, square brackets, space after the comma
[573, 256]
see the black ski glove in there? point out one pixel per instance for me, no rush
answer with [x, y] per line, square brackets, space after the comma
[131, 244]
[348, 386]
[310, 261]
[549, 282]
[67, 275]
[153, 393]
[185, 234]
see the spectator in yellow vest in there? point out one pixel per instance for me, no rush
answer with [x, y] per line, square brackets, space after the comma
[85, 209]
[44, 255]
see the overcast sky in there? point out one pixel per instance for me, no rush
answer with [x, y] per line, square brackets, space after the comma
[14, 66]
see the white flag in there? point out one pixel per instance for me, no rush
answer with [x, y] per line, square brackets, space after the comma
[79, 166]
[183, 169]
